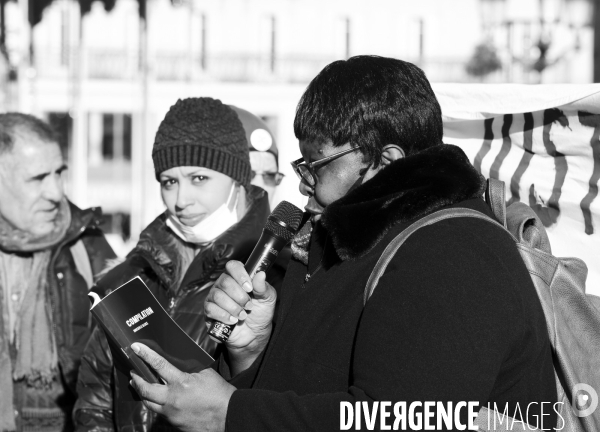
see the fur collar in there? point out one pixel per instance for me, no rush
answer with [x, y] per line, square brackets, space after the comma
[407, 189]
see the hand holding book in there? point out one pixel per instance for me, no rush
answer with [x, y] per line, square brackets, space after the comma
[132, 314]
[190, 401]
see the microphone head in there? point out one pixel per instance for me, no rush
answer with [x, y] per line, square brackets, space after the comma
[285, 220]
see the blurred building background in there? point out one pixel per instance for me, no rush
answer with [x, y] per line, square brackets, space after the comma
[105, 72]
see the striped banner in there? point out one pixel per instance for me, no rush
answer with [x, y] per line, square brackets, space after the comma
[543, 142]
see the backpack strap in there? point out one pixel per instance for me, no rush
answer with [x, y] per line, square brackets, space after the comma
[395, 244]
[495, 196]
[487, 420]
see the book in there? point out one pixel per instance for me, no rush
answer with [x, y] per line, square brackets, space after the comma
[131, 314]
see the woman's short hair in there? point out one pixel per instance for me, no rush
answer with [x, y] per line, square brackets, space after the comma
[370, 101]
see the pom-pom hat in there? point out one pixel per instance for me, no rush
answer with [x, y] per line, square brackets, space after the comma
[259, 136]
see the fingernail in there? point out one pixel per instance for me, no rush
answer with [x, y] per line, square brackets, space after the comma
[135, 348]
[247, 286]
[249, 305]
[242, 315]
[233, 319]
[131, 383]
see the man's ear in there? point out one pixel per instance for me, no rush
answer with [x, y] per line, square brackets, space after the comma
[390, 153]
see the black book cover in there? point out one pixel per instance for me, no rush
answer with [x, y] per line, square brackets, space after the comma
[131, 314]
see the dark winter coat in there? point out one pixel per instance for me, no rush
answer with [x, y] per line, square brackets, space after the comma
[68, 288]
[106, 401]
[69, 304]
[454, 318]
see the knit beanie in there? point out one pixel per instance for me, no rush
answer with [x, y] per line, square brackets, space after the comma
[259, 136]
[202, 132]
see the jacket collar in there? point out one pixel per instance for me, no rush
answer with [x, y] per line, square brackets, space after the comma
[81, 220]
[161, 248]
[407, 189]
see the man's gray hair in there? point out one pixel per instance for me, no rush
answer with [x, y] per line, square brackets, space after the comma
[13, 122]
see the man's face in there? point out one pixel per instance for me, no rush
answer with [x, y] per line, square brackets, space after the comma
[31, 184]
[264, 163]
[334, 179]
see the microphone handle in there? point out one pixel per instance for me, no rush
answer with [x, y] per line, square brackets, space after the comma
[261, 259]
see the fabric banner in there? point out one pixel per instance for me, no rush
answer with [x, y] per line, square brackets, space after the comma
[543, 142]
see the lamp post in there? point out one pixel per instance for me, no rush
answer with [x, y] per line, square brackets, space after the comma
[596, 25]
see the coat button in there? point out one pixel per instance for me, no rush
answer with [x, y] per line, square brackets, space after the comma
[59, 275]
[14, 297]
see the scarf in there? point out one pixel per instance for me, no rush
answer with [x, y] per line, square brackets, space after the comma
[26, 323]
[301, 241]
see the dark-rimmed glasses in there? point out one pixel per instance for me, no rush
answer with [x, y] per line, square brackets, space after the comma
[306, 171]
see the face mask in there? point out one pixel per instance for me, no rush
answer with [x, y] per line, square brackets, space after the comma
[208, 228]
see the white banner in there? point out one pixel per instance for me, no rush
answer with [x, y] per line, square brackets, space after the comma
[543, 142]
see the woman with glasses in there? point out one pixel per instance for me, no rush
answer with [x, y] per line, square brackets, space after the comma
[213, 215]
[455, 322]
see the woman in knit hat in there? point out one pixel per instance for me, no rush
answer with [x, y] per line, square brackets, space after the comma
[201, 159]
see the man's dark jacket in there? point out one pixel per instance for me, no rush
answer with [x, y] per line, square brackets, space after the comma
[69, 302]
[68, 288]
[454, 318]
[106, 401]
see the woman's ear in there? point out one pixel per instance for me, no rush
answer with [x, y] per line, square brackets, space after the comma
[390, 153]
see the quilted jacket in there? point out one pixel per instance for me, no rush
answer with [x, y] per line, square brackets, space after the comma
[106, 401]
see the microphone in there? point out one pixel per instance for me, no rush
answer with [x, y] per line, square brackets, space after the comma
[281, 226]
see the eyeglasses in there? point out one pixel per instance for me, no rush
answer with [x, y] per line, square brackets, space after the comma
[306, 171]
[270, 178]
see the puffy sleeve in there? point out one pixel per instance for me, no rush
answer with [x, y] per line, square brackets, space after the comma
[94, 408]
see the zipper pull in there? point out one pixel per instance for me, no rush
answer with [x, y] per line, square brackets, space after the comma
[172, 303]
[306, 279]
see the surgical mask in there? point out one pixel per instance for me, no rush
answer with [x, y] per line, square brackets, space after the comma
[208, 228]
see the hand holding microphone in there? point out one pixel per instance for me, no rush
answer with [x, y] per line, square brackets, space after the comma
[241, 303]
[230, 296]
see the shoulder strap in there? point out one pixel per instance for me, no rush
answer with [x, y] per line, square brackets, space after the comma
[82, 262]
[395, 244]
[485, 418]
[495, 196]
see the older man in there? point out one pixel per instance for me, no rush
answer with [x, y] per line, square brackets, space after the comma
[49, 252]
